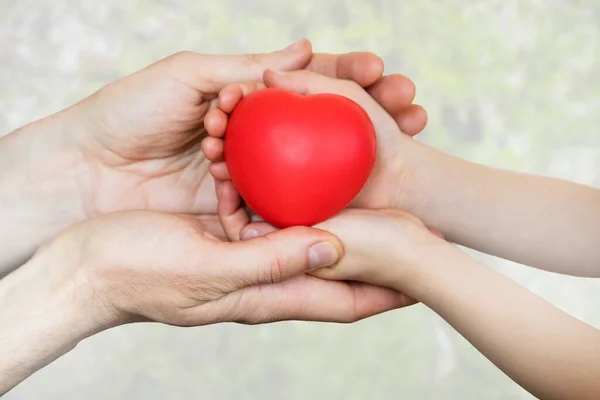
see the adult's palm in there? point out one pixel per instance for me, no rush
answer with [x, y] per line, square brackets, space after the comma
[142, 148]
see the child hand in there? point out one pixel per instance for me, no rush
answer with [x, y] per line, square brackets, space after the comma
[382, 247]
[386, 182]
[380, 191]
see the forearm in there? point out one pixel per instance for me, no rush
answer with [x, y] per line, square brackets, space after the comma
[39, 177]
[543, 222]
[546, 351]
[39, 322]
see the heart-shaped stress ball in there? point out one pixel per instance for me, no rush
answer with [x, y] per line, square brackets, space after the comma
[298, 160]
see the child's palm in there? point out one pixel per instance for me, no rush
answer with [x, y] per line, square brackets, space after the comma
[382, 188]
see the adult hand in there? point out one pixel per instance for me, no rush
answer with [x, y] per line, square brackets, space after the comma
[135, 144]
[149, 126]
[125, 259]
[147, 266]
[390, 176]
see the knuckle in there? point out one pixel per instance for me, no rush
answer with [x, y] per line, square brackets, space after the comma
[183, 62]
[277, 265]
[275, 270]
[182, 56]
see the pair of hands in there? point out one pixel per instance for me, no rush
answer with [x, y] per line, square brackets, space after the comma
[375, 241]
[138, 147]
[135, 145]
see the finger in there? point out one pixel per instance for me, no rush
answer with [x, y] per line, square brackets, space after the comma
[231, 95]
[306, 298]
[211, 73]
[437, 233]
[232, 215]
[212, 149]
[393, 92]
[412, 120]
[256, 229]
[219, 171]
[363, 68]
[306, 82]
[277, 256]
[215, 123]
[218, 189]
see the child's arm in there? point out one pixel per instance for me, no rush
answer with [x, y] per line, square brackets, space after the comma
[546, 351]
[543, 222]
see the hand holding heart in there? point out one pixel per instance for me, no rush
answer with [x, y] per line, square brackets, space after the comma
[381, 246]
[285, 153]
[134, 145]
[380, 191]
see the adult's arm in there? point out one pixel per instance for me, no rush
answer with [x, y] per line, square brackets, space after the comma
[148, 266]
[113, 152]
[40, 186]
[38, 323]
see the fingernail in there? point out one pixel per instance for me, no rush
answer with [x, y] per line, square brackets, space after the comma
[322, 254]
[248, 234]
[296, 46]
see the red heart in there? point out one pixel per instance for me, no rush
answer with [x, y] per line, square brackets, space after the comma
[298, 160]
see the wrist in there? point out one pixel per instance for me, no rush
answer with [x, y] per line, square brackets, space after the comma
[39, 321]
[53, 290]
[421, 271]
[41, 171]
[70, 276]
[414, 192]
[447, 272]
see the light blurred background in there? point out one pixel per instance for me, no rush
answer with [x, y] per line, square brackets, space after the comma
[508, 83]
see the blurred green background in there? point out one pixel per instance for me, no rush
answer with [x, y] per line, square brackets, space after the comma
[508, 83]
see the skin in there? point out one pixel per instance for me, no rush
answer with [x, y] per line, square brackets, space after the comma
[106, 272]
[119, 181]
[546, 351]
[135, 144]
[547, 223]
[543, 222]
[381, 189]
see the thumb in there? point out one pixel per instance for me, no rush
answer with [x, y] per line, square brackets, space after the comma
[306, 82]
[278, 256]
[211, 73]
